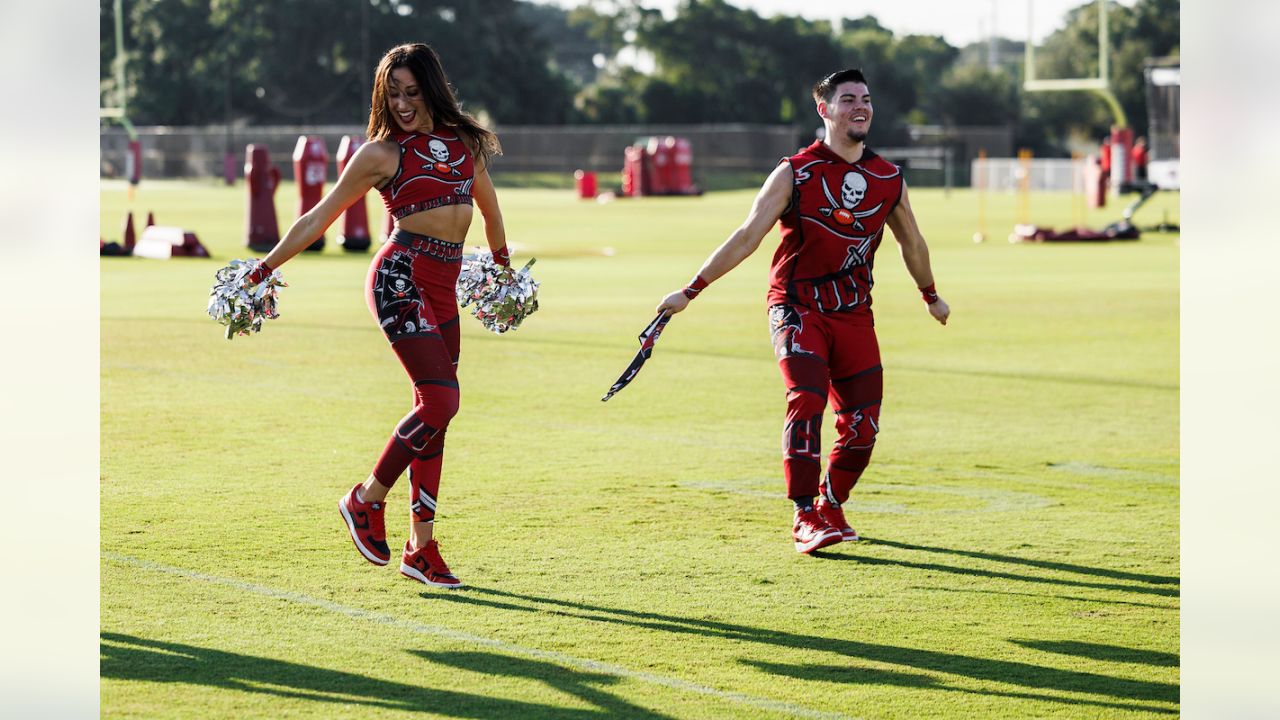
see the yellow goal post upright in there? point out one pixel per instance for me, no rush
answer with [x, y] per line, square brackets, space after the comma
[1121, 137]
[119, 112]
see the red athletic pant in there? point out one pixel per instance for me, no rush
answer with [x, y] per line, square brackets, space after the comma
[410, 290]
[825, 357]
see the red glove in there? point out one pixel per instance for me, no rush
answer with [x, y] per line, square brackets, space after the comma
[502, 257]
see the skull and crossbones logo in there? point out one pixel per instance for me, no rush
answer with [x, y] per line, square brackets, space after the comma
[439, 160]
[852, 191]
[399, 287]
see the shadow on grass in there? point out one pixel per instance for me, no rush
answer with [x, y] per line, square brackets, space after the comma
[125, 657]
[1109, 653]
[1145, 588]
[977, 668]
[582, 685]
[1045, 564]
[1073, 598]
[874, 676]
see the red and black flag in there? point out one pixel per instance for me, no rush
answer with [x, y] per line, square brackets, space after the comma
[648, 338]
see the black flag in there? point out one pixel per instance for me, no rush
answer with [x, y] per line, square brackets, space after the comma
[648, 338]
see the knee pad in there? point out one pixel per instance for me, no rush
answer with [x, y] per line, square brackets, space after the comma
[437, 401]
[414, 433]
[857, 427]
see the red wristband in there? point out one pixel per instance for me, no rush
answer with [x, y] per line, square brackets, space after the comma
[930, 294]
[695, 286]
[259, 273]
[502, 257]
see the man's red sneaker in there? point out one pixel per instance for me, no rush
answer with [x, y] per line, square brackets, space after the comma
[811, 532]
[833, 515]
[426, 566]
[367, 528]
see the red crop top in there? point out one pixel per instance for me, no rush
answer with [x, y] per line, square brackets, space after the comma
[435, 170]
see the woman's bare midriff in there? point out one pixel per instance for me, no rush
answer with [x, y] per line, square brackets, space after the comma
[448, 223]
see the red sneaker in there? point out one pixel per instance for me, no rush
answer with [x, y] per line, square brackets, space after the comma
[426, 566]
[811, 532]
[367, 528]
[833, 515]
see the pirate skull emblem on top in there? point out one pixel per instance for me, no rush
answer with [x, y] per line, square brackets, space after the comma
[439, 160]
[852, 190]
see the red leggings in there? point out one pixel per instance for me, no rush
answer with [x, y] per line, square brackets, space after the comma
[410, 291]
[824, 357]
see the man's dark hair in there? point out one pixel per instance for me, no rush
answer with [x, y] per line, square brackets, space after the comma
[826, 87]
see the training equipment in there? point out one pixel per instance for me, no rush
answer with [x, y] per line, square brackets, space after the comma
[811, 532]
[367, 527]
[1164, 99]
[659, 166]
[648, 338]
[240, 305]
[160, 242]
[584, 182]
[310, 167]
[502, 299]
[355, 219]
[115, 249]
[833, 515]
[262, 178]
[426, 566]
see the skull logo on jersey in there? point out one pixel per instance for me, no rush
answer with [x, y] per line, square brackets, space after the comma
[397, 299]
[439, 160]
[853, 189]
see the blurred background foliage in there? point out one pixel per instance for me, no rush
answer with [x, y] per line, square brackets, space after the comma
[206, 62]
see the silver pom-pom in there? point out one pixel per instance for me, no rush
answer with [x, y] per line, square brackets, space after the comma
[502, 298]
[240, 306]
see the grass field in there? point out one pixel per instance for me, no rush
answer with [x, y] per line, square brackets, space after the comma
[633, 558]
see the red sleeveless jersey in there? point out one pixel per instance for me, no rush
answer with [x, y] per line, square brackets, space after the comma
[831, 230]
[435, 170]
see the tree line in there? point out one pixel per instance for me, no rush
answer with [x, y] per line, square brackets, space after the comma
[204, 62]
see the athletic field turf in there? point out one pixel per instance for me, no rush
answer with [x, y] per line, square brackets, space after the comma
[633, 558]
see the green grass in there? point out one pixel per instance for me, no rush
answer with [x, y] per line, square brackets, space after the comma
[632, 558]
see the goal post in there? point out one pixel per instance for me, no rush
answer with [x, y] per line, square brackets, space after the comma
[120, 113]
[1100, 85]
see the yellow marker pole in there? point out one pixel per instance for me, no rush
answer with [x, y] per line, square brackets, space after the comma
[1024, 186]
[1077, 189]
[1023, 207]
[981, 185]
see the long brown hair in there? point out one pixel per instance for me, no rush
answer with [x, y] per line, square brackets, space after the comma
[425, 65]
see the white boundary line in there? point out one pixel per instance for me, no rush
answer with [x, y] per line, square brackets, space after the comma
[505, 647]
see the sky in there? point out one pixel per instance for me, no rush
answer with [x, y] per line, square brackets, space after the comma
[960, 22]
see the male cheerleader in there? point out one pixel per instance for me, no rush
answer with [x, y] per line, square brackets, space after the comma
[834, 199]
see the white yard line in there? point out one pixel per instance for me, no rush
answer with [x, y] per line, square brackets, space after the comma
[499, 645]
